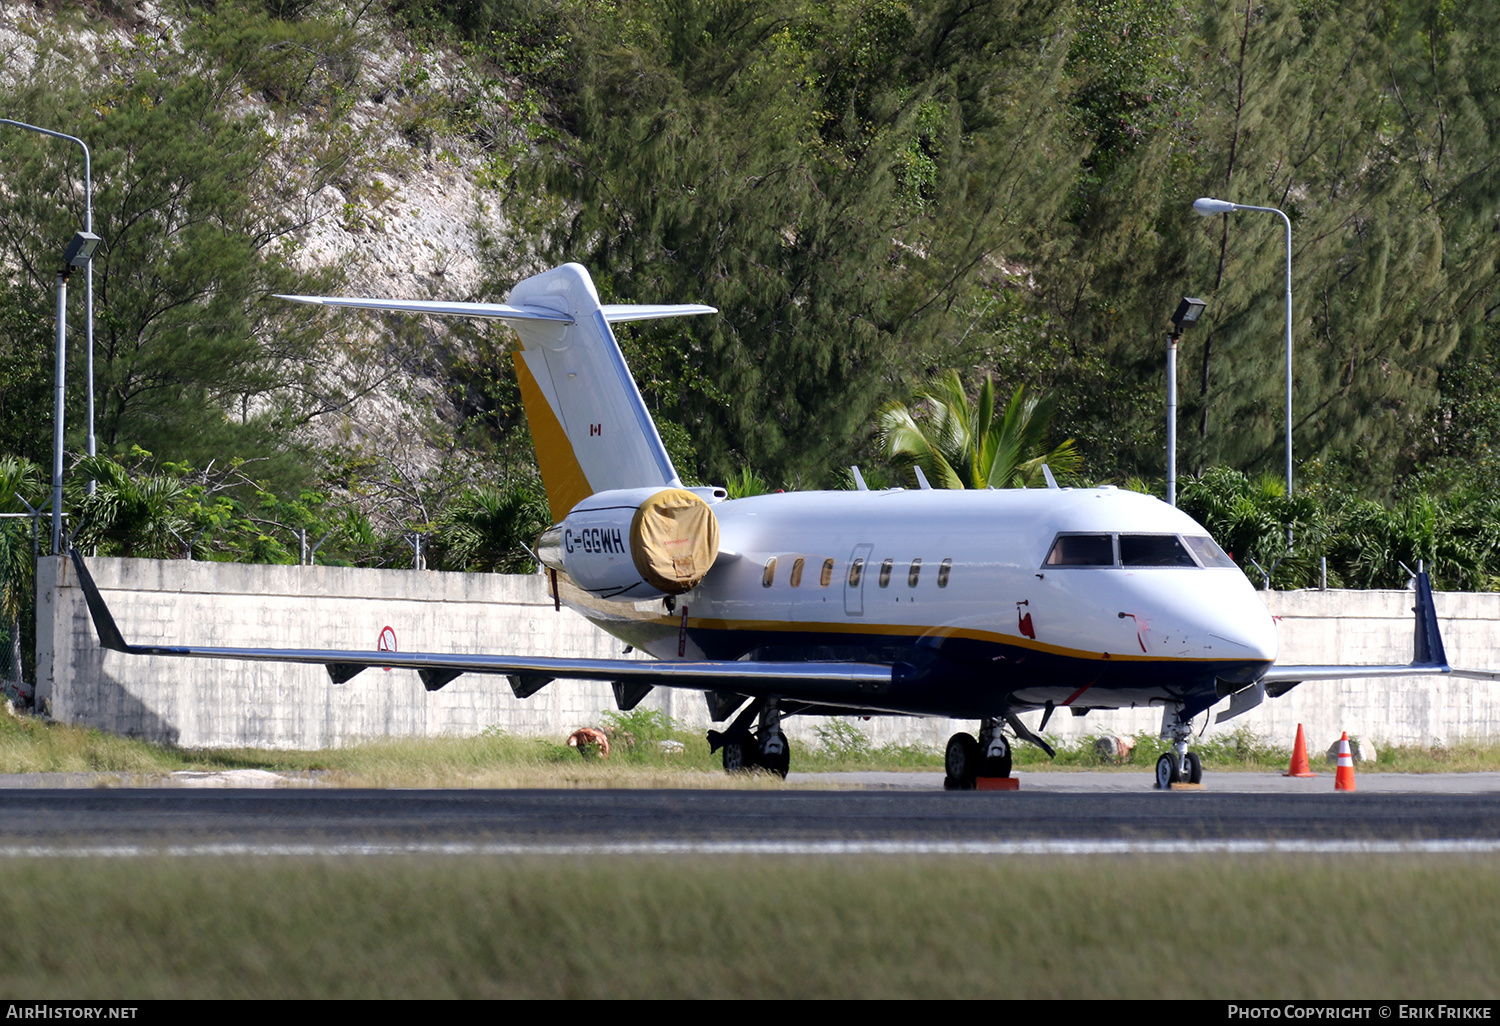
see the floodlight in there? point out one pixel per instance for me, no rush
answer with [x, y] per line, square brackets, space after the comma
[1188, 312]
[81, 250]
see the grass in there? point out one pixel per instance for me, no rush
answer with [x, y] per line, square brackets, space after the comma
[640, 757]
[1019, 927]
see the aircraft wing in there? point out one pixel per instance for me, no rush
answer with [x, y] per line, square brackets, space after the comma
[1428, 655]
[613, 313]
[830, 682]
[1428, 660]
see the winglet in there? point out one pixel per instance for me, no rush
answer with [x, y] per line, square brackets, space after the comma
[104, 624]
[1427, 647]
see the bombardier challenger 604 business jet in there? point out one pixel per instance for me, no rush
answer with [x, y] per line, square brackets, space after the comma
[970, 604]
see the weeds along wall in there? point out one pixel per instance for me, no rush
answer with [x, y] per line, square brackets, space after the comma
[220, 703]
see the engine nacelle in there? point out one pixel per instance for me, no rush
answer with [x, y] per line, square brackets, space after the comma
[634, 543]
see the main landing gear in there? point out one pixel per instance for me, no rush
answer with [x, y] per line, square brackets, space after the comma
[764, 748]
[967, 758]
[1179, 766]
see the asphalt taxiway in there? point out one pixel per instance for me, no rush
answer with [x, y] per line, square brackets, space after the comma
[866, 810]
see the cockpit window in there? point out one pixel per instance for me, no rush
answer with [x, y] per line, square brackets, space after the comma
[1082, 550]
[1153, 550]
[1208, 551]
[1135, 550]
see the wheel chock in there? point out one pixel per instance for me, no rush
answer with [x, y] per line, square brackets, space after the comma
[1183, 785]
[996, 784]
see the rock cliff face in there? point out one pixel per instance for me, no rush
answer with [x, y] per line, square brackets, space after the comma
[403, 219]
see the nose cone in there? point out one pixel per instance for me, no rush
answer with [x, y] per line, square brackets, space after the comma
[1209, 614]
[1242, 619]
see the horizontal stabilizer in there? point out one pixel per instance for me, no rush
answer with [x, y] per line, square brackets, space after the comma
[619, 313]
[494, 311]
[614, 314]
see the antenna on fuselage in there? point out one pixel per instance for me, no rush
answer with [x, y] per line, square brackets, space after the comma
[922, 480]
[859, 479]
[1047, 473]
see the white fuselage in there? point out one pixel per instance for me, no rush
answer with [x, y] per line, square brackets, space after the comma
[964, 575]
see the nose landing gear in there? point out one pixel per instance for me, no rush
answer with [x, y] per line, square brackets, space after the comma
[1179, 766]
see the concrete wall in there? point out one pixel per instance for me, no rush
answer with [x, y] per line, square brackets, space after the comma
[199, 702]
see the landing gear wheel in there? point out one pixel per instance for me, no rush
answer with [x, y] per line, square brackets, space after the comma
[738, 757]
[777, 762]
[997, 758]
[1166, 772]
[1192, 768]
[961, 760]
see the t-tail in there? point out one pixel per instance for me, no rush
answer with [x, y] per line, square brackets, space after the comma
[590, 426]
[624, 526]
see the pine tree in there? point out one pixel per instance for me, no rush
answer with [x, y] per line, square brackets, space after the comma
[194, 356]
[831, 177]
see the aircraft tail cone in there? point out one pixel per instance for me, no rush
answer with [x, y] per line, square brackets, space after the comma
[1343, 780]
[1299, 766]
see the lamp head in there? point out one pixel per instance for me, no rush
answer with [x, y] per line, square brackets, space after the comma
[1207, 206]
[1188, 312]
[81, 250]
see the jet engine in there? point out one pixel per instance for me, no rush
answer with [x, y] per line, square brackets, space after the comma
[634, 543]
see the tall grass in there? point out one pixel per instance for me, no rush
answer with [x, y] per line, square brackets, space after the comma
[1018, 927]
[646, 750]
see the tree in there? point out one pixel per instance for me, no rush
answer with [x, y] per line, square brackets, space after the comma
[1293, 105]
[830, 176]
[959, 444]
[488, 529]
[194, 202]
[19, 484]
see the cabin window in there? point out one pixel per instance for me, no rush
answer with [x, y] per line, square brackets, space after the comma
[1082, 550]
[1208, 551]
[913, 573]
[770, 574]
[944, 569]
[826, 578]
[885, 572]
[797, 573]
[1153, 550]
[856, 571]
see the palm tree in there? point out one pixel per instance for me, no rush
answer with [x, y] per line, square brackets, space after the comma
[18, 479]
[486, 528]
[130, 514]
[959, 444]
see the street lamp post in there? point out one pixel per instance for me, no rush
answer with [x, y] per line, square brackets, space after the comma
[1207, 207]
[88, 227]
[79, 252]
[1188, 312]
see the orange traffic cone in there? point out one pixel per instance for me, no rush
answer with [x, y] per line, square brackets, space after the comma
[1343, 780]
[1299, 766]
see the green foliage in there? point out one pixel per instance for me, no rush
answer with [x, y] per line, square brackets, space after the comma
[746, 482]
[868, 190]
[1238, 750]
[963, 444]
[485, 528]
[1368, 544]
[829, 176]
[20, 484]
[194, 204]
[841, 739]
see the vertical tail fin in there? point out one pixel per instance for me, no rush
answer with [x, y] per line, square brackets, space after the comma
[591, 427]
